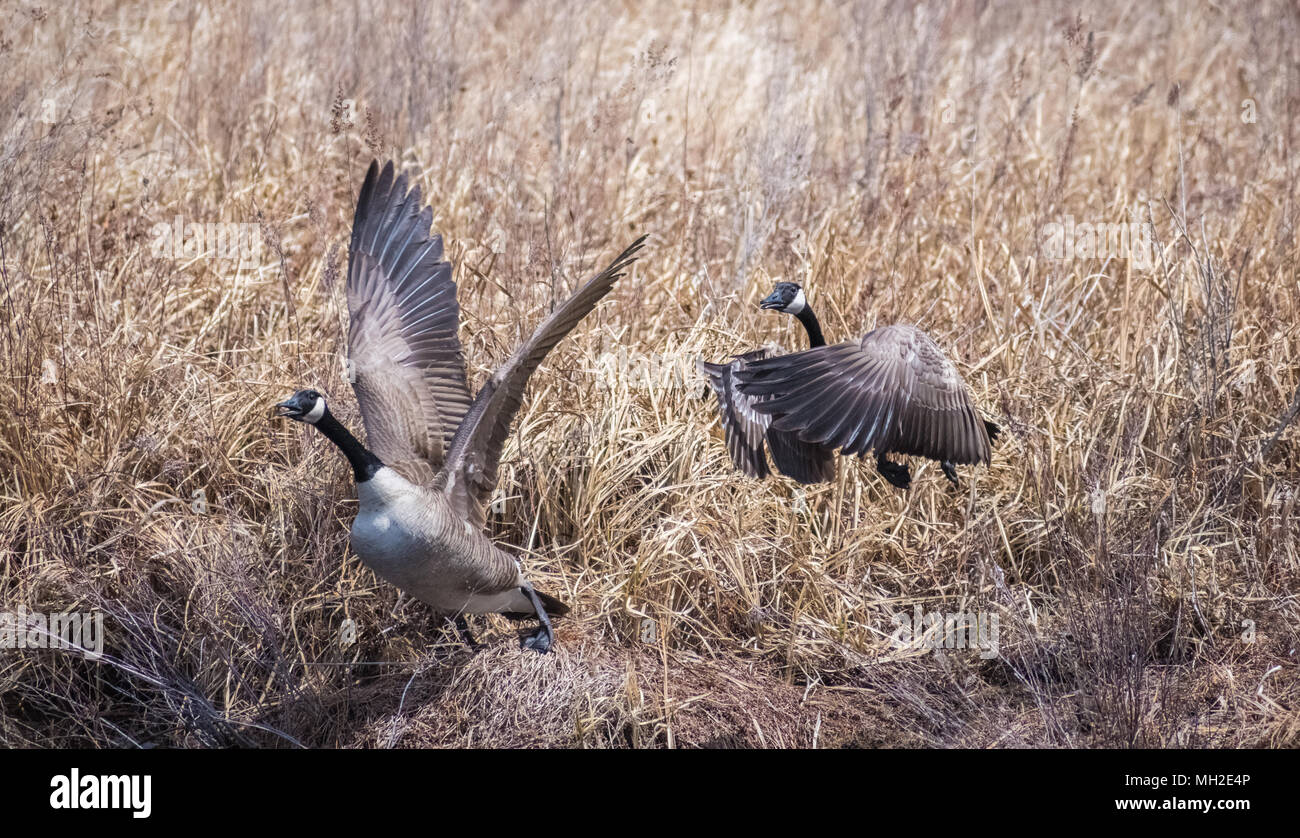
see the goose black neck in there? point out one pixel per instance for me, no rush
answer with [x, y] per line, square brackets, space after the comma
[364, 464]
[810, 324]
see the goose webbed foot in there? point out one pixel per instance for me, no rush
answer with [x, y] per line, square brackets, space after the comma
[466, 636]
[543, 639]
[950, 472]
[539, 641]
[898, 474]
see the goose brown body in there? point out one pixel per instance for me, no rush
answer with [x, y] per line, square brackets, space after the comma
[412, 537]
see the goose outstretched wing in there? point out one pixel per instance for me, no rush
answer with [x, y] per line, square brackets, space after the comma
[470, 472]
[404, 355]
[892, 391]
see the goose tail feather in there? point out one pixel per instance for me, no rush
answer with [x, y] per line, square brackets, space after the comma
[554, 608]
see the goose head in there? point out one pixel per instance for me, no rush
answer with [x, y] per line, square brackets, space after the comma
[303, 406]
[785, 296]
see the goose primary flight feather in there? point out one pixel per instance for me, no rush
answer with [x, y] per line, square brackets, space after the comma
[429, 465]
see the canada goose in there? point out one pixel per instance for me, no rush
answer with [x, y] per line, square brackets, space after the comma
[893, 391]
[432, 459]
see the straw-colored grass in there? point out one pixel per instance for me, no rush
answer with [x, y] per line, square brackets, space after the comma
[905, 164]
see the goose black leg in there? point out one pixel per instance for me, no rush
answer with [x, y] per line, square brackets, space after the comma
[897, 473]
[466, 636]
[541, 640]
[949, 471]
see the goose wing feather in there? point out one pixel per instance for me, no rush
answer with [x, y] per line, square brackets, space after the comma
[470, 472]
[747, 430]
[743, 427]
[405, 358]
[892, 391]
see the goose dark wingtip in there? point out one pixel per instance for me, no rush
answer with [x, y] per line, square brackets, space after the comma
[751, 439]
[626, 258]
[709, 368]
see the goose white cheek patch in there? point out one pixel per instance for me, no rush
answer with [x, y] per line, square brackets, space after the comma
[797, 304]
[317, 412]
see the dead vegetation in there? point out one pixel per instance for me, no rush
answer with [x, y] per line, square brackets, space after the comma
[1135, 535]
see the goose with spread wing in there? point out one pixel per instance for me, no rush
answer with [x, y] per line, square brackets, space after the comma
[891, 392]
[430, 463]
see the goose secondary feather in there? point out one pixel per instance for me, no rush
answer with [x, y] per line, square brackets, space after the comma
[891, 392]
[428, 469]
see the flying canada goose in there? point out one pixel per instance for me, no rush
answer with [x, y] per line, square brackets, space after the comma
[431, 464]
[893, 391]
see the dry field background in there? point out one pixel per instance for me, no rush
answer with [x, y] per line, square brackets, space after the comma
[903, 162]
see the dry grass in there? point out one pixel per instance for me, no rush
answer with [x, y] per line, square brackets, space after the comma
[903, 163]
